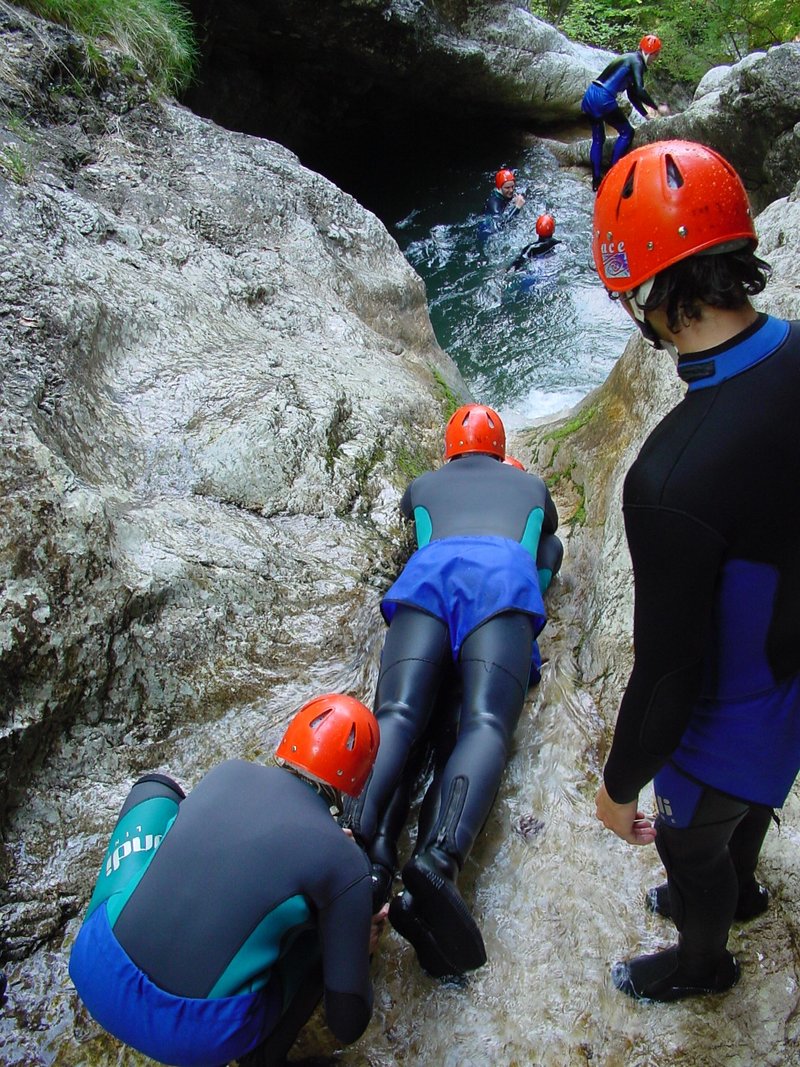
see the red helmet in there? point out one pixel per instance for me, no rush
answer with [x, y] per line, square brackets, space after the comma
[545, 225]
[475, 428]
[514, 463]
[662, 203]
[332, 739]
[650, 44]
[504, 176]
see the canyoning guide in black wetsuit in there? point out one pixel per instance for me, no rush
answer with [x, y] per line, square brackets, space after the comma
[625, 74]
[503, 203]
[220, 918]
[468, 600]
[711, 712]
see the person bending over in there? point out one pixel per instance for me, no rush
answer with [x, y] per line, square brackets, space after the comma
[219, 919]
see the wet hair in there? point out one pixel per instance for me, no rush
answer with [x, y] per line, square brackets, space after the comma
[725, 280]
[332, 796]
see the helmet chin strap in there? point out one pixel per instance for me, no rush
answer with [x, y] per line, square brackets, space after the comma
[637, 298]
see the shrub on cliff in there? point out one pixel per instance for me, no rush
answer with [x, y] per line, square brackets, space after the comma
[158, 34]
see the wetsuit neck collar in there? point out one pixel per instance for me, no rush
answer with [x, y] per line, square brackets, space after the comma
[716, 365]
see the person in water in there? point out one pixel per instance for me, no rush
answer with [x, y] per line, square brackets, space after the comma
[711, 712]
[623, 74]
[466, 608]
[503, 203]
[220, 918]
[545, 242]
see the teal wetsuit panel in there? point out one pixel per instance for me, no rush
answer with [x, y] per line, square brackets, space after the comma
[133, 844]
[533, 531]
[424, 526]
[250, 968]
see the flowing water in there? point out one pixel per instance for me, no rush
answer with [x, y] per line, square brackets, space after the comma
[557, 899]
[530, 342]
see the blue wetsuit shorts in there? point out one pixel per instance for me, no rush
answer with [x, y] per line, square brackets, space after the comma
[184, 1031]
[466, 580]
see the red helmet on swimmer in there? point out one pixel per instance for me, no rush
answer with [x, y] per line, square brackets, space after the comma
[545, 226]
[663, 203]
[333, 739]
[475, 428]
[504, 175]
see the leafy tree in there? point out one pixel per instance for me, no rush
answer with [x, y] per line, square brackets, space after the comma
[697, 34]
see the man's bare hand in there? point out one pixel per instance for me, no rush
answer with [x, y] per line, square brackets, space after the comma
[625, 820]
[378, 926]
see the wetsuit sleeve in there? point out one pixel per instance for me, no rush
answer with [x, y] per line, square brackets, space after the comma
[676, 563]
[637, 94]
[344, 933]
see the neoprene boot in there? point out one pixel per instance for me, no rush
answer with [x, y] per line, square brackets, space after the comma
[752, 902]
[430, 877]
[664, 976]
[407, 921]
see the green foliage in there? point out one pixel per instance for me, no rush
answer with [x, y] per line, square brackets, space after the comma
[696, 34]
[158, 35]
[14, 165]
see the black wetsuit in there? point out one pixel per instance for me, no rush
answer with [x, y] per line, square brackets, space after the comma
[538, 248]
[498, 210]
[469, 601]
[712, 707]
[219, 920]
[624, 74]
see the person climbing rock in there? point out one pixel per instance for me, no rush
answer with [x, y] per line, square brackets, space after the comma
[625, 74]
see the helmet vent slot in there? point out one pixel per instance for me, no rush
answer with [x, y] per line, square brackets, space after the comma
[318, 721]
[627, 188]
[674, 176]
[350, 743]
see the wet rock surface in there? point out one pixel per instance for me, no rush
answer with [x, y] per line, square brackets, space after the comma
[217, 375]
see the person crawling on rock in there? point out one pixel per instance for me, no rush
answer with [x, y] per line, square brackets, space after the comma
[221, 918]
[711, 712]
[465, 611]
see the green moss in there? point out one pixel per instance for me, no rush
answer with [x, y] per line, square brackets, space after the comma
[450, 402]
[554, 481]
[412, 463]
[557, 436]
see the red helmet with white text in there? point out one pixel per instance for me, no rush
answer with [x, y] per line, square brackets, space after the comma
[332, 739]
[475, 428]
[663, 203]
